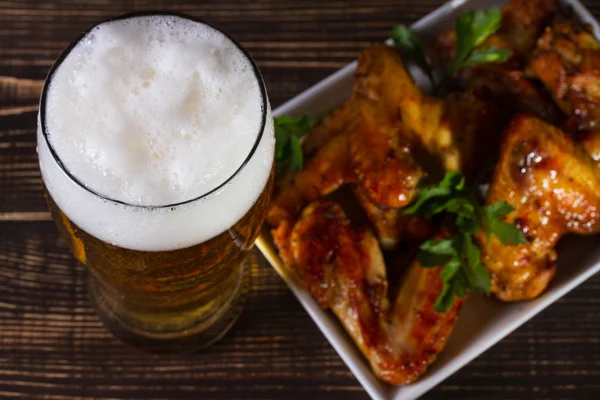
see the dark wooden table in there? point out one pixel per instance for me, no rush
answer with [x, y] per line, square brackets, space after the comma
[53, 346]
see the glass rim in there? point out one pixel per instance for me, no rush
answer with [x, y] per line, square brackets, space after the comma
[71, 46]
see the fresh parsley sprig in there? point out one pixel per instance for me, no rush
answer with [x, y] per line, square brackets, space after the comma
[463, 269]
[406, 40]
[288, 149]
[472, 29]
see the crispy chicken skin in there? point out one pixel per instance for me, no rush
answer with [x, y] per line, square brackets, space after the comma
[344, 270]
[567, 61]
[554, 186]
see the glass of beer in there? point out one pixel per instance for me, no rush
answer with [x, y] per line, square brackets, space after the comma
[156, 146]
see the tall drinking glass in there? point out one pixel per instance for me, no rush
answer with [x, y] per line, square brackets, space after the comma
[156, 145]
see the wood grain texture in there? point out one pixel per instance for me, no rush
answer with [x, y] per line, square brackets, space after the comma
[52, 346]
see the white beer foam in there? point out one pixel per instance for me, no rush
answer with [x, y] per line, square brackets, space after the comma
[155, 110]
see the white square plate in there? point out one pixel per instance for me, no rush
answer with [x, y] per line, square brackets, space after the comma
[483, 321]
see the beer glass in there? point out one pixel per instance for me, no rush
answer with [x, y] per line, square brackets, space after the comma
[156, 146]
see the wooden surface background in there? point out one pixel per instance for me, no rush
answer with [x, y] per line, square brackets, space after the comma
[53, 346]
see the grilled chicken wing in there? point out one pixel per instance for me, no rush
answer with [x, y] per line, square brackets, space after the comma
[554, 186]
[344, 270]
[567, 61]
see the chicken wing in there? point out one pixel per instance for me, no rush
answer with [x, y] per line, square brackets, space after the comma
[376, 73]
[445, 131]
[506, 84]
[522, 23]
[370, 153]
[554, 186]
[344, 270]
[567, 61]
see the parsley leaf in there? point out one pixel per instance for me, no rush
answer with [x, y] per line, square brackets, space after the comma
[433, 199]
[297, 158]
[450, 270]
[288, 149]
[410, 45]
[472, 29]
[490, 54]
[445, 299]
[507, 233]
[436, 252]
[460, 256]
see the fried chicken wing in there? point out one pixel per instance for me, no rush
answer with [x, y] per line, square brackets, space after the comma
[369, 153]
[344, 270]
[554, 186]
[567, 61]
[377, 69]
[452, 134]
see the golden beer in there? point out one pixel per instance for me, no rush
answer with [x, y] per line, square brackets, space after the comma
[166, 261]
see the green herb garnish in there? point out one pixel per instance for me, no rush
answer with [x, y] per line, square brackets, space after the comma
[288, 149]
[472, 29]
[463, 269]
[406, 40]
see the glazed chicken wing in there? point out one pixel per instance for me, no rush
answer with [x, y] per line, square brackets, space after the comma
[344, 270]
[567, 61]
[370, 154]
[375, 80]
[554, 186]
